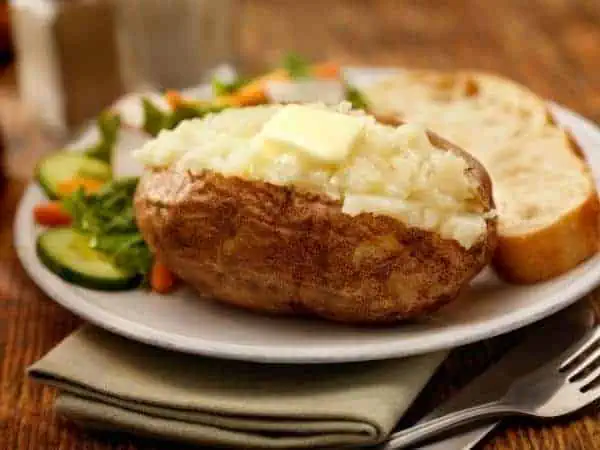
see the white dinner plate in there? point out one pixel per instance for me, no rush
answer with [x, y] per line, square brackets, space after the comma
[180, 321]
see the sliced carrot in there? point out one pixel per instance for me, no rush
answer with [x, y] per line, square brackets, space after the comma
[173, 98]
[253, 93]
[51, 214]
[161, 278]
[258, 84]
[252, 98]
[327, 70]
[248, 98]
[89, 185]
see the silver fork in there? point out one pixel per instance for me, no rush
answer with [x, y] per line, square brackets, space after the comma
[563, 385]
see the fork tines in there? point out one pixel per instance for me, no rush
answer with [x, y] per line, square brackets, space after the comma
[583, 363]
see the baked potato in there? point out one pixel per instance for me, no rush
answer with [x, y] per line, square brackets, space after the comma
[252, 235]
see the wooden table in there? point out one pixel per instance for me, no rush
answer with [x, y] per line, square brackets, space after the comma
[553, 46]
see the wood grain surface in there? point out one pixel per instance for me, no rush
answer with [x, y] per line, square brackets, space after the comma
[553, 46]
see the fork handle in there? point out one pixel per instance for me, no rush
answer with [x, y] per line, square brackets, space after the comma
[433, 427]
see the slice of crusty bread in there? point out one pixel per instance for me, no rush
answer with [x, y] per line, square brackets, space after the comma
[544, 191]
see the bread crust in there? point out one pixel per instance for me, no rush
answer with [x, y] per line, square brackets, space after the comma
[551, 251]
[280, 250]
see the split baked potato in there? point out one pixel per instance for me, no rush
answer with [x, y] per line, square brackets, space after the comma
[395, 228]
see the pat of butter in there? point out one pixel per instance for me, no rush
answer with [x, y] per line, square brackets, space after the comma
[323, 134]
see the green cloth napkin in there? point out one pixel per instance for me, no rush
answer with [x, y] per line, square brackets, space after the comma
[108, 382]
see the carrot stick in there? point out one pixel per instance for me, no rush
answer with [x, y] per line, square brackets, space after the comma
[258, 84]
[327, 70]
[248, 98]
[173, 98]
[51, 214]
[161, 278]
[89, 185]
[253, 93]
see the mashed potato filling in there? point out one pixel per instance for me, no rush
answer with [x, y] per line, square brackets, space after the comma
[376, 168]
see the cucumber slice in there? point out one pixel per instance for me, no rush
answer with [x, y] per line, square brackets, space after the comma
[67, 253]
[62, 166]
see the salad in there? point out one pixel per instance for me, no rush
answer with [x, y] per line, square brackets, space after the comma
[91, 237]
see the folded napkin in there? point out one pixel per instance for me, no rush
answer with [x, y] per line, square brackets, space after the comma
[109, 382]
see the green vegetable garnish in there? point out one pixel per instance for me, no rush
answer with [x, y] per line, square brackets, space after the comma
[223, 88]
[108, 219]
[110, 210]
[189, 111]
[129, 252]
[108, 124]
[355, 97]
[156, 120]
[296, 66]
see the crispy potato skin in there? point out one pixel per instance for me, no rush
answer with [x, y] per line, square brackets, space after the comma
[279, 250]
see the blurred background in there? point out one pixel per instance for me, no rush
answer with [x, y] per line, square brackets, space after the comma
[61, 62]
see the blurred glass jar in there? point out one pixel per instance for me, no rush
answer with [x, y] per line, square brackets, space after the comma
[67, 59]
[174, 43]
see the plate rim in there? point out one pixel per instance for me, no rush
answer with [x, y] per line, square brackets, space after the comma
[576, 288]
